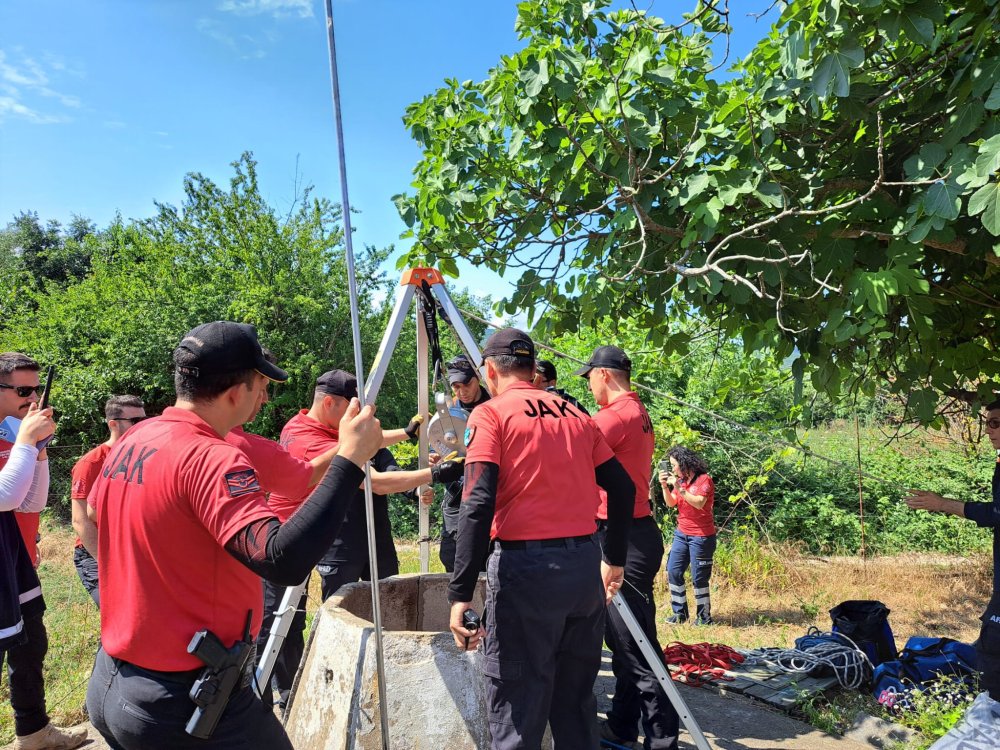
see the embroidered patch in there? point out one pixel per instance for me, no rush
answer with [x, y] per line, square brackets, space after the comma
[470, 433]
[240, 483]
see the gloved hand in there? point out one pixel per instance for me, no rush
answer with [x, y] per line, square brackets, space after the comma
[449, 470]
[413, 428]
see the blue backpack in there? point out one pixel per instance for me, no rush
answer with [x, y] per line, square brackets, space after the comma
[922, 661]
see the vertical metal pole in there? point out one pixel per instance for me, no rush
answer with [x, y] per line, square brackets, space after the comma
[359, 373]
[423, 406]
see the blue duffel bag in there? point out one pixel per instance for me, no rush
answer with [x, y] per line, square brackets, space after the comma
[921, 662]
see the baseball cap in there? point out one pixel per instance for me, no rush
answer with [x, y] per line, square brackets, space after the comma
[460, 370]
[546, 369]
[511, 341]
[338, 383]
[223, 346]
[606, 356]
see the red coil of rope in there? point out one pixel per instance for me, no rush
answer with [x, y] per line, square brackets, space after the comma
[697, 663]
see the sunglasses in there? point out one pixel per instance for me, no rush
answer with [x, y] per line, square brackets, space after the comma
[130, 420]
[993, 424]
[23, 391]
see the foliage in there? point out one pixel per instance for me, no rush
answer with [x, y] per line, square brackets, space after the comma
[934, 710]
[834, 204]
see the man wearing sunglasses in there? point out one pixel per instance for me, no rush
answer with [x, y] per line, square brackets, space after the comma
[120, 413]
[24, 486]
[986, 515]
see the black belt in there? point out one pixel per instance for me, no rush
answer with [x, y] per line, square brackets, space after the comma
[180, 678]
[186, 677]
[565, 541]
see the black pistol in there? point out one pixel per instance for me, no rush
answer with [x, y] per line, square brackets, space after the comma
[224, 668]
[470, 621]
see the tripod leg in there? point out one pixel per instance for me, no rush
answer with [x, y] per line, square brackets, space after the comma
[404, 295]
[660, 670]
[279, 631]
[454, 317]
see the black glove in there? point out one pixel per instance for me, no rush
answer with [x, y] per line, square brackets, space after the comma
[413, 428]
[448, 471]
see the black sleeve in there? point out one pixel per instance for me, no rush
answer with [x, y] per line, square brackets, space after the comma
[614, 480]
[474, 522]
[284, 553]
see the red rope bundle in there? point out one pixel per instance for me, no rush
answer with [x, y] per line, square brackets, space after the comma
[697, 663]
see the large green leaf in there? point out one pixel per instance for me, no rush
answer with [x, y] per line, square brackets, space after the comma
[833, 73]
[986, 201]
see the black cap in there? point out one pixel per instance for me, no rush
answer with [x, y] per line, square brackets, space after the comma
[509, 341]
[224, 346]
[460, 370]
[545, 368]
[338, 383]
[610, 357]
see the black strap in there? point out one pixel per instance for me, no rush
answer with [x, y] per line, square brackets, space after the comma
[429, 312]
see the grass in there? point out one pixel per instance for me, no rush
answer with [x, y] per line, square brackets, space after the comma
[761, 596]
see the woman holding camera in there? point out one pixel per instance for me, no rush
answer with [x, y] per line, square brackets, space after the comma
[688, 486]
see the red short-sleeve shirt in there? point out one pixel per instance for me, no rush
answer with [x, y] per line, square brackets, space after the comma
[626, 426]
[278, 470]
[697, 521]
[85, 473]
[304, 438]
[547, 451]
[171, 493]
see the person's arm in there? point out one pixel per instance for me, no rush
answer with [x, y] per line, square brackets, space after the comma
[84, 527]
[472, 543]
[666, 484]
[321, 463]
[388, 482]
[981, 513]
[410, 432]
[38, 494]
[614, 480]
[17, 476]
[695, 501]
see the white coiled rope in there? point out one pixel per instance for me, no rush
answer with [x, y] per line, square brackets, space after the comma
[834, 651]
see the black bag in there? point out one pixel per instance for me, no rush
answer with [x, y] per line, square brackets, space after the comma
[867, 624]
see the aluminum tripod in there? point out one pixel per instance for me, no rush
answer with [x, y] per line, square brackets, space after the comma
[427, 286]
[660, 670]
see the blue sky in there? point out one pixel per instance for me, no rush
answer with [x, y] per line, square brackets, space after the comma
[105, 105]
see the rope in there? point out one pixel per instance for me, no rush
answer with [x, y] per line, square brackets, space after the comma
[804, 449]
[699, 663]
[814, 652]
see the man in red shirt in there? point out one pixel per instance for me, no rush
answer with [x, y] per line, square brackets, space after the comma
[533, 467]
[24, 486]
[311, 433]
[184, 537]
[626, 426]
[120, 413]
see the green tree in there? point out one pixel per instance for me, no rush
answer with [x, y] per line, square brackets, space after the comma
[834, 203]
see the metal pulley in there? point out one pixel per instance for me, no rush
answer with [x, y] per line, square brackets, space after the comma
[446, 429]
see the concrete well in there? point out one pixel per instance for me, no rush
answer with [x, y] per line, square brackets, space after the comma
[434, 691]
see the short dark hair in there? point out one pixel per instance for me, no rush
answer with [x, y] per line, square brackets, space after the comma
[11, 362]
[207, 385]
[508, 364]
[116, 405]
[688, 461]
[993, 405]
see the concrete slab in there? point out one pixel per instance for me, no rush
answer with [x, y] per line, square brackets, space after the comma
[731, 722]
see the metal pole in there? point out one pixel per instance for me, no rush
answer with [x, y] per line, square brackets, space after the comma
[359, 374]
[423, 406]
[655, 663]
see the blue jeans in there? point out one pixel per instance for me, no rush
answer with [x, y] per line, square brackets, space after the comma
[696, 551]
